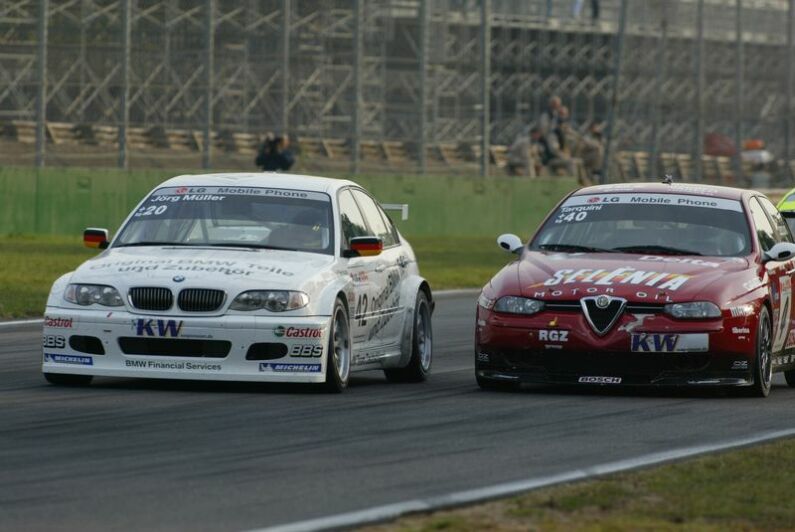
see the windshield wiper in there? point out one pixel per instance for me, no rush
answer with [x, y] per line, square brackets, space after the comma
[573, 247]
[653, 248]
[152, 243]
[252, 246]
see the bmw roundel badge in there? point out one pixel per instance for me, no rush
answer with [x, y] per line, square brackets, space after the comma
[178, 279]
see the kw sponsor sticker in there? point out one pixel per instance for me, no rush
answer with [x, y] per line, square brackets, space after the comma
[630, 276]
[669, 343]
[58, 323]
[297, 332]
[289, 368]
[68, 359]
[154, 327]
[599, 380]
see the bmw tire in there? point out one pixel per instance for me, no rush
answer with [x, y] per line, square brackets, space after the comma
[421, 345]
[338, 360]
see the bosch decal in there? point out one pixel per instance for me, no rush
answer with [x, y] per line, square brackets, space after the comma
[599, 380]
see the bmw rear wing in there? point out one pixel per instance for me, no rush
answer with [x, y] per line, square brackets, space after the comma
[402, 207]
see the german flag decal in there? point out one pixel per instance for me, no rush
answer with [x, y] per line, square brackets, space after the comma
[95, 238]
[367, 246]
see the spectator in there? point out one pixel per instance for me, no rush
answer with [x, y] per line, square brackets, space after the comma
[275, 155]
[519, 154]
[591, 150]
[577, 9]
[549, 118]
[549, 154]
[559, 158]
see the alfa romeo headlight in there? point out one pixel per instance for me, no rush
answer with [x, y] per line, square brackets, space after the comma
[93, 294]
[518, 305]
[694, 310]
[272, 300]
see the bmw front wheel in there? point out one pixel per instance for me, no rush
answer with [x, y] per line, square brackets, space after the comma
[338, 360]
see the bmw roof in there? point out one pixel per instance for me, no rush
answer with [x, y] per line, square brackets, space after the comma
[259, 179]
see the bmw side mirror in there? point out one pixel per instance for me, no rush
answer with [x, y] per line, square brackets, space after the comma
[94, 237]
[364, 246]
[780, 252]
[510, 243]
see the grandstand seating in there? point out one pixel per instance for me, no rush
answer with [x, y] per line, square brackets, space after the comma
[626, 165]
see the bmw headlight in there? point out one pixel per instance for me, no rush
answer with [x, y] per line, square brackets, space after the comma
[93, 294]
[272, 300]
[518, 305]
[694, 310]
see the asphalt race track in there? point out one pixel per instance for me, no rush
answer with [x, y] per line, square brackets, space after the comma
[130, 454]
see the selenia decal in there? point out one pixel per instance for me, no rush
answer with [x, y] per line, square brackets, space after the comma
[631, 276]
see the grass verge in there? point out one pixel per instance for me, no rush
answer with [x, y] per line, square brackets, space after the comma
[740, 490]
[30, 264]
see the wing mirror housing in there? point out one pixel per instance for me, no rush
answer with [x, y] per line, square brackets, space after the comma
[364, 246]
[95, 237]
[780, 252]
[510, 243]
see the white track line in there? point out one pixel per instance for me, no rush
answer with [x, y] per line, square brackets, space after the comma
[392, 511]
[20, 322]
[440, 293]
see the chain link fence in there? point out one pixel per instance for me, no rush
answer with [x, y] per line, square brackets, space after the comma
[415, 85]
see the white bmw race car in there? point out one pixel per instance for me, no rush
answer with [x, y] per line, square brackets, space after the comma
[244, 277]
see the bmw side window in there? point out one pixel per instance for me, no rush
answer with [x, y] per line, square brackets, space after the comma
[372, 213]
[393, 234]
[764, 231]
[351, 219]
[779, 224]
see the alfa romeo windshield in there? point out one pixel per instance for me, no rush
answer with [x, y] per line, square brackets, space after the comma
[667, 224]
[250, 217]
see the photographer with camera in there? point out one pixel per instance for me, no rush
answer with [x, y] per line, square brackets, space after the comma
[275, 155]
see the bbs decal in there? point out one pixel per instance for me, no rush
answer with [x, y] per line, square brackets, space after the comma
[306, 350]
[58, 342]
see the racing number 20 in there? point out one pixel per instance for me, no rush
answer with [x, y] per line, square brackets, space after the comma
[152, 210]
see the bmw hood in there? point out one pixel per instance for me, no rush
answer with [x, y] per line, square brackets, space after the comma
[225, 268]
[650, 278]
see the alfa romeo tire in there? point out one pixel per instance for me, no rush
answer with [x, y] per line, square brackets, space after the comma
[763, 362]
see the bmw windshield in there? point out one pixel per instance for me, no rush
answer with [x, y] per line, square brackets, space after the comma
[250, 217]
[676, 224]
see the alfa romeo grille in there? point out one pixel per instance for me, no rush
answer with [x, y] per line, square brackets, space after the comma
[151, 298]
[200, 299]
[602, 312]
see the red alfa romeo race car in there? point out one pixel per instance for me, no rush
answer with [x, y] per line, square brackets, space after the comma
[644, 284]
